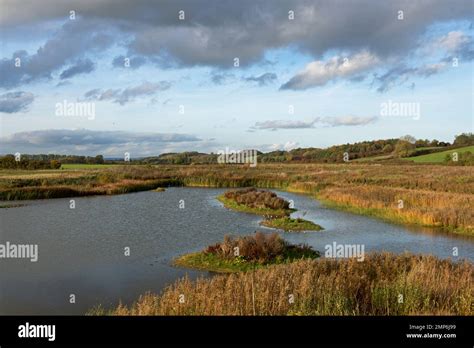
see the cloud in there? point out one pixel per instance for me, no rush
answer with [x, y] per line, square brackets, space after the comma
[84, 141]
[452, 41]
[455, 44]
[401, 74]
[348, 121]
[319, 73]
[81, 67]
[15, 101]
[123, 96]
[288, 146]
[322, 121]
[284, 124]
[216, 31]
[221, 78]
[263, 79]
[128, 62]
[73, 40]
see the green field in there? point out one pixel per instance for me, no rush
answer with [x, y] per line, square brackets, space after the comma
[438, 157]
[86, 166]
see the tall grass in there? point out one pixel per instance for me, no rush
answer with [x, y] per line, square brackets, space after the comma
[448, 210]
[383, 284]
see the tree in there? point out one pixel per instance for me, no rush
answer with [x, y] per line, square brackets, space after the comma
[54, 164]
[99, 159]
[464, 139]
[404, 148]
[408, 138]
[387, 148]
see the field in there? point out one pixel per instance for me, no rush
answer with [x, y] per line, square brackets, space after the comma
[86, 166]
[429, 195]
[439, 157]
[384, 284]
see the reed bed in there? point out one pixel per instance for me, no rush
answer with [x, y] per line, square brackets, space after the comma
[383, 284]
[447, 210]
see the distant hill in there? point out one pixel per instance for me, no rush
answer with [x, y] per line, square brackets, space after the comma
[192, 157]
[393, 150]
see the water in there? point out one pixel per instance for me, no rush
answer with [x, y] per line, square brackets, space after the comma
[82, 250]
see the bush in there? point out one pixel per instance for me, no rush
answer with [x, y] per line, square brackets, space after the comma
[259, 247]
[254, 198]
[463, 159]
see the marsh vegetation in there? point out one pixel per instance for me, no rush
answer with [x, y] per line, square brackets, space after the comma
[431, 195]
[383, 284]
[246, 253]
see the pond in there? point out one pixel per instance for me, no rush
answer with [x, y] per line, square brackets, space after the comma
[84, 251]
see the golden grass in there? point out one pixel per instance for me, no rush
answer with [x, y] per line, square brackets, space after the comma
[428, 286]
[449, 210]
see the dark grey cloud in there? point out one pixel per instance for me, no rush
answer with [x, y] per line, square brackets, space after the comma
[15, 101]
[84, 141]
[123, 96]
[132, 62]
[263, 79]
[80, 67]
[323, 121]
[216, 31]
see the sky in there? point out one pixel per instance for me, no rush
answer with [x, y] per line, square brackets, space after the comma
[149, 77]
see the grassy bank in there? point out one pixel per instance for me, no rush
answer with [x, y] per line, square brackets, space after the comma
[245, 253]
[427, 285]
[291, 225]
[406, 206]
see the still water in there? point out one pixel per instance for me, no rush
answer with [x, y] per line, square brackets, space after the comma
[81, 251]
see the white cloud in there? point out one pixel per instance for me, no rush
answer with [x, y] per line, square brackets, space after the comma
[319, 72]
[284, 124]
[289, 145]
[322, 121]
[452, 41]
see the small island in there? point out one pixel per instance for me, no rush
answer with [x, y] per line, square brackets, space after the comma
[261, 202]
[246, 253]
[291, 225]
[276, 210]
